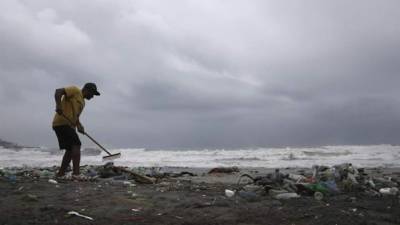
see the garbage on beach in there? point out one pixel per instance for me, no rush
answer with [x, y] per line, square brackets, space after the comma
[323, 181]
[389, 191]
[30, 198]
[296, 177]
[229, 193]
[287, 195]
[53, 181]
[318, 196]
[252, 188]
[327, 180]
[248, 195]
[126, 183]
[79, 215]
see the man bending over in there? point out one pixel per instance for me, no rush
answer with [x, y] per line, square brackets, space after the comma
[70, 102]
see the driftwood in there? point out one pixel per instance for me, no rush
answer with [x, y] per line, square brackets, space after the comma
[224, 170]
[137, 177]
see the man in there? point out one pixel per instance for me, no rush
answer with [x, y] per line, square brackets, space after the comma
[70, 102]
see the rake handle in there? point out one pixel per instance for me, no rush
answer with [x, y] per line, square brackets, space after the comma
[96, 143]
[87, 135]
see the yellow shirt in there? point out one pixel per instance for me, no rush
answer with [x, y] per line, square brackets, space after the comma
[72, 105]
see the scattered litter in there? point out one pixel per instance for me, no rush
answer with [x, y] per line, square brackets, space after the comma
[297, 178]
[320, 183]
[248, 195]
[80, 215]
[229, 193]
[274, 192]
[30, 198]
[252, 188]
[53, 181]
[134, 195]
[389, 191]
[131, 188]
[318, 196]
[127, 183]
[324, 181]
[287, 196]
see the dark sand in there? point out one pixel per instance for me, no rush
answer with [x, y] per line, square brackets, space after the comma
[185, 200]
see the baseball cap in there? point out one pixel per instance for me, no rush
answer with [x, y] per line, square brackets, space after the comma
[91, 87]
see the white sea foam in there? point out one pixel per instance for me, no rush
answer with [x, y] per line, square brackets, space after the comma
[363, 156]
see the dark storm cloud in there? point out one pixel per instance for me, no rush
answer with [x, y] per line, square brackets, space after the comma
[204, 74]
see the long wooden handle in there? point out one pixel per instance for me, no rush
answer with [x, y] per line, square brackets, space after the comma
[96, 143]
[88, 136]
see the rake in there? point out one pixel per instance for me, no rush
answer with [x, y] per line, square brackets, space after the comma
[107, 157]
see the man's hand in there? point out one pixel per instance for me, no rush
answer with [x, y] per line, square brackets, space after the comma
[81, 129]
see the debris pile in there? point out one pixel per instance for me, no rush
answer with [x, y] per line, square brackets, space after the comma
[321, 182]
[324, 181]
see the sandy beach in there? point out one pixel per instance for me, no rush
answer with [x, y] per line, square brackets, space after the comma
[193, 197]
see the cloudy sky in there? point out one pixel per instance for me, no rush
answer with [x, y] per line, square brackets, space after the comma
[204, 74]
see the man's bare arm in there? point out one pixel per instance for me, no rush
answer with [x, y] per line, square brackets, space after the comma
[58, 95]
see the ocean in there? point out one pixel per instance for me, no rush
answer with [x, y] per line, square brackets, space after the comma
[361, 156]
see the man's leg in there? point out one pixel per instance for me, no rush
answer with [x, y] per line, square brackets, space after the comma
[65, 162]
[76, 158]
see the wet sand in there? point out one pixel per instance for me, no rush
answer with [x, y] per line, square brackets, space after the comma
[184, 200]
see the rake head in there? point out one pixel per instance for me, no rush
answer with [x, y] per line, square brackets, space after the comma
[111, 157]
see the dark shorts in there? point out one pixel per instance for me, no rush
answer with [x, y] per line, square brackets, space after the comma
[67, 137]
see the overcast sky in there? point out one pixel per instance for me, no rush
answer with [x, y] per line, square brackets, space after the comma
[204, 73]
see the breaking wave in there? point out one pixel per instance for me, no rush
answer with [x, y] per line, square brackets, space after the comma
[363, 156]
